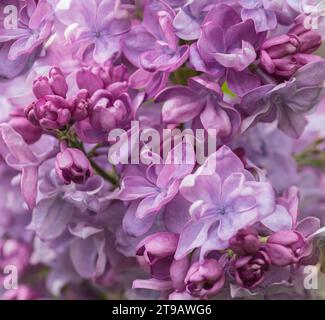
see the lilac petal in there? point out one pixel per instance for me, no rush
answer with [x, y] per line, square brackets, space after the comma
[291, 123]
[82, 12]
[13, 34]
[88, 80]
[193, 236]
[50, 218]
[186, 27]
[11, 69]
[176, 214]
[137, 41]
[152, 284]
[279, 220]
[214, 117]
[23, 46]
[305, 99]
[242, 82]
[264, 20]
[222, 15]
[135, 226]
[308, 226]
[135, 187]
[106, 48]
[163, 60]
[29, 179]
[203, 187]
[238, 60]
[310, 75]
[224, 162]
[179, 163]
[151, 16]
[181, 104]
[210, 42]
[91, 248]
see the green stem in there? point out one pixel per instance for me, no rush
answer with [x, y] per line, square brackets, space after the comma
[109, 176]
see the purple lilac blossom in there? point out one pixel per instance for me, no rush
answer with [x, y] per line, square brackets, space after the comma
[241, 222]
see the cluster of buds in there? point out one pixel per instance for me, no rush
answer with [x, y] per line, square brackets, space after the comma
[283, 55]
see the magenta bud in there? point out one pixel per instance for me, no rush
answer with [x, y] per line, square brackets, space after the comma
[205, 280]
[80, 105]
[58, 83]
[285, 247]
[42, 87]
[52, 112]
[73, 166]
[156, 252]
[246, 241]
[87, 79]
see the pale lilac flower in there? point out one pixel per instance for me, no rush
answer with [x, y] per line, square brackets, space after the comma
[226, 48]
[225, 198]
[266, 14]
[94, 27]
[201, 100]
[23, 43]
[19, 156]
[189, 17]
[153, 47]
[287, 102]
[154, 188]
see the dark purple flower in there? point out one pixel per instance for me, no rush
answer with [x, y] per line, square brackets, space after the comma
[250, 270]
[246, 241]
[50, 112]
[73, 166]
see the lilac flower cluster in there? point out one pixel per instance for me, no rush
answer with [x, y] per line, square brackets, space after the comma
[240, 78]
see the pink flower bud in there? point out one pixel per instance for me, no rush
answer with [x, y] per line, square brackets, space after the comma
[246, 241]
[285, 247]
[51, 112]
[205, 280]
[80, 105]
[42, 87]
[156, 252]
[58, 83]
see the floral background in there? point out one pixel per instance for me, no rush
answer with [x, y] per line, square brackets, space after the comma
[247, 223]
